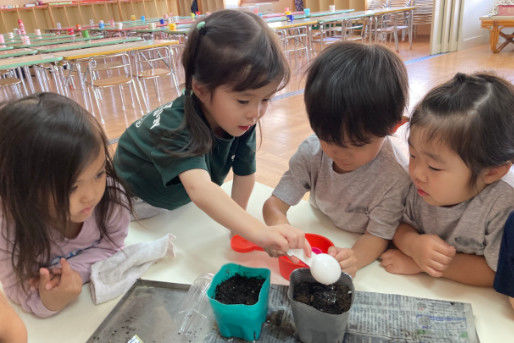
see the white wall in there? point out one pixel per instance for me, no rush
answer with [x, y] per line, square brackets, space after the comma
[471, 33]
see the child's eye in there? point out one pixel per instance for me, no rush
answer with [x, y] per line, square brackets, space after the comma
[266, 100]
[434, 169]
[412, 156]
[243, 102]
[73, 188]
[100, 174]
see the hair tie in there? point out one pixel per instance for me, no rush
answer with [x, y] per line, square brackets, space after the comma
[201, 27]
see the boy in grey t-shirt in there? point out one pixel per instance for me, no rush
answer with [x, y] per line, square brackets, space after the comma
[355, 94]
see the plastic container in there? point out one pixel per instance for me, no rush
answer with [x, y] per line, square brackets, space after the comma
[194, 316]
[312, 325]
[239, 320]
[286, 266]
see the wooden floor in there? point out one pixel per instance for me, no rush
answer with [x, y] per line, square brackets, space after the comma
[285, 125]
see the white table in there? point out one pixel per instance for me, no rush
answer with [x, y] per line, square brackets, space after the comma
[202, 246]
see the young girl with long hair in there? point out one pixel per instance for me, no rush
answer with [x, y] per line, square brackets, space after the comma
[62, 206]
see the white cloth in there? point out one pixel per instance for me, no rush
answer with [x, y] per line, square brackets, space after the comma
[115, 275]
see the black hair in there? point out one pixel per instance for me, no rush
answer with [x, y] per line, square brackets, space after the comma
[46, 140]
[228, 47]
[474, 116]
[355, 90]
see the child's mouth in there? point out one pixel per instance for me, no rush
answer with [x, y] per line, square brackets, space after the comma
[422, 192]
[244, 128]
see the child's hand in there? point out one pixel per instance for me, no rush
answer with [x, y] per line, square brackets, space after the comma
[432, 254]
[346, 259]
[396, 262]
[57, 291]
[278, 239]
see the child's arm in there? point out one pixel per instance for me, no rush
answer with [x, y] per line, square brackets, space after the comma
[470, 270]
[430, 252]
[27, 298]
[274, 211]
[58, 291]
[365, 250]
[12, 329]
[511, 300]
[117, 227]
[368, 248]
[211, 199]
[242, 187]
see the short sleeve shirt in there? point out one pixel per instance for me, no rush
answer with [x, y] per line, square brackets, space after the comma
[370, 198]
[472, 227]
[143, 159]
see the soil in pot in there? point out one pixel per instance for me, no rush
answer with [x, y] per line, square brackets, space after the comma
[334, 299]
[239, 289]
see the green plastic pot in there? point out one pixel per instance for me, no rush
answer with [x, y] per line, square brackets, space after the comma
[239, 320]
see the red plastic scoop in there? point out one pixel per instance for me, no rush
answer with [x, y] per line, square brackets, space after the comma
[240, 244]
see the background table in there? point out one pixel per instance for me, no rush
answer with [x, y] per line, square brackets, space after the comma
[203, 246]
[496, 24]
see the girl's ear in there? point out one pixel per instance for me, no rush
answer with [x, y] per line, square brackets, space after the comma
[493, 174]
[201, 91]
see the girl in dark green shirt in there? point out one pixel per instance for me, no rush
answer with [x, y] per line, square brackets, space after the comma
[183, 150]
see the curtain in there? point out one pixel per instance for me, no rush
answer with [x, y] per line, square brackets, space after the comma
[445, 26]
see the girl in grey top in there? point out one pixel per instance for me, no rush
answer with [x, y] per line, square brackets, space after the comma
[461, 147]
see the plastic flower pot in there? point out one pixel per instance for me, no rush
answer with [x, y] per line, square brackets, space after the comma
[240, 320]
[313, 325]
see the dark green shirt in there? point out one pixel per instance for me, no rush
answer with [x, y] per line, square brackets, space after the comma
[143, 160]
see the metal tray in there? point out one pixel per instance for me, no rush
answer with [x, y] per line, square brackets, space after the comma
[151, 310]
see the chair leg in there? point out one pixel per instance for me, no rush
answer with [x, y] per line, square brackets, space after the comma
[146, 100]
[137, 97]
[157, 91]
[395, 32]
[120, 87]
[97, 103]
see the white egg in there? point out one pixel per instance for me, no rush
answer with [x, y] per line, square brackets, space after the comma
[325, 269]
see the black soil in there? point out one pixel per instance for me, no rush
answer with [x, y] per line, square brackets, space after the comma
[239, 290]
[334, 299]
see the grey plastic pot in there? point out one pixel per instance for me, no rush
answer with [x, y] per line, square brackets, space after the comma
[312, 325]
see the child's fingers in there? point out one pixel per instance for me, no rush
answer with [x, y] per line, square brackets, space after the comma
[44, 277]
[445, 249]
[347, 263]
[332, 251]
[441, 258]
[65, 266]
[56, 270]
[432, 272]
[343, 254]
[307, 248]
[54, 282]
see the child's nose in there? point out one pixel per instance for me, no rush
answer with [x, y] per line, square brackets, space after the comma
[88, 195]
[419, 174]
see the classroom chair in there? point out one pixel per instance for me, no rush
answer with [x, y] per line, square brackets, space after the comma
[11, 86]
[113, 71]
[295, 42]
[152, 64]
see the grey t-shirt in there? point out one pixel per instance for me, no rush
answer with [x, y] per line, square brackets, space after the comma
[472, 227]
[370, 198]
